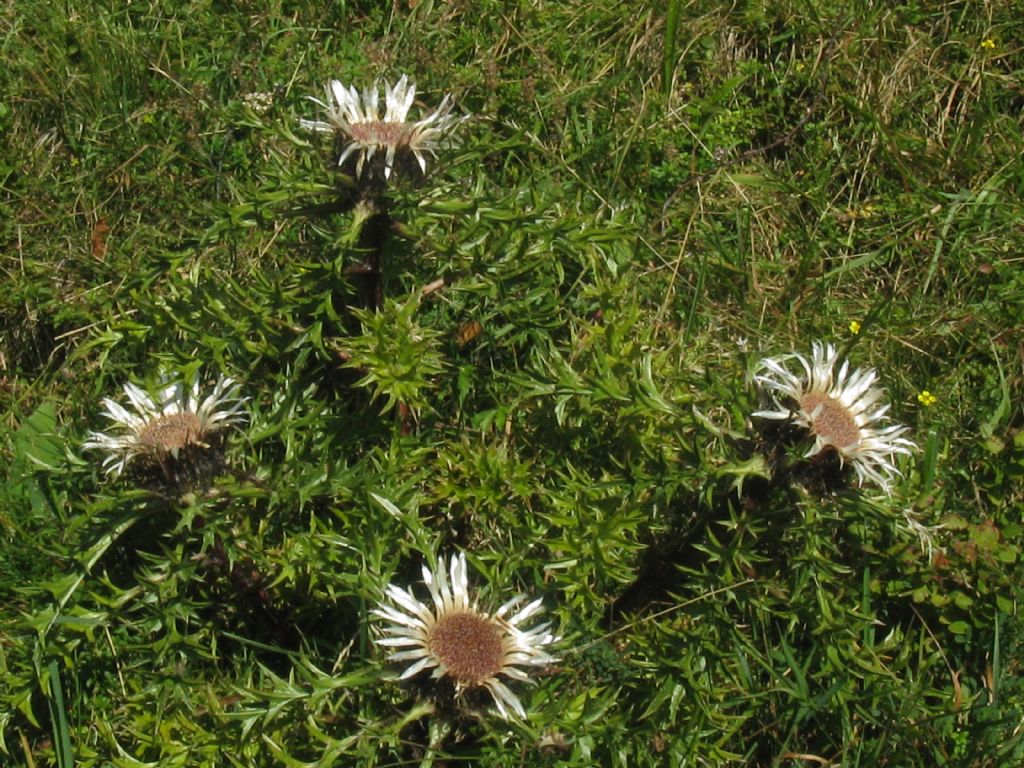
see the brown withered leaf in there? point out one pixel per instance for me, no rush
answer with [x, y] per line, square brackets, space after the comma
[99, 239]
[468, 331]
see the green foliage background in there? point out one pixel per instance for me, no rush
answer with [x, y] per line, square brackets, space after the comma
[646, 201]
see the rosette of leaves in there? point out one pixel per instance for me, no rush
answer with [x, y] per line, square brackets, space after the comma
[396, 356]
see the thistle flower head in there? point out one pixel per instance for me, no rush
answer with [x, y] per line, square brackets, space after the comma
[457, 640]
[841, 409]
[356, 120]
[158, 428]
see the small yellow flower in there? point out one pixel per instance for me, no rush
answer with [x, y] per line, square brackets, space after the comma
[854, 327]
[927, 399]
[988, 43]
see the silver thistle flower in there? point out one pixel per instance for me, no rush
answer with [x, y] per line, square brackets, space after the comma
[840, 409]
[455, 639]
[356, 120]
[161, 426]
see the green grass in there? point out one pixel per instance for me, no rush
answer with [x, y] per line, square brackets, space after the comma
[627, 225]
